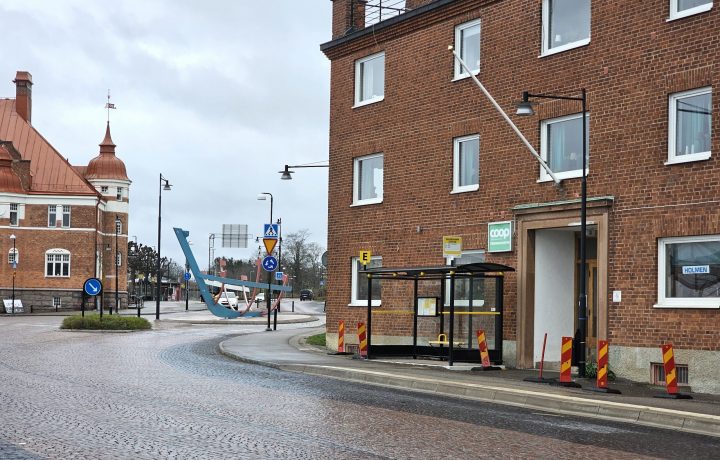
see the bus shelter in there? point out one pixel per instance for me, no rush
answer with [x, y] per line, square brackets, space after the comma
[444, 323]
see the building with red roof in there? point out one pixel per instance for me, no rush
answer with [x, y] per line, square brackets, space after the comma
[60, 224]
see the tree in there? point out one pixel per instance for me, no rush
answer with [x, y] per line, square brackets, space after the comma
[302, 259]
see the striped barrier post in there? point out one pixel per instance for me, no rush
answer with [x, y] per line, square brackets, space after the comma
[601, 384]
[566, 363]
[482, 345]
[670, 374]
[362, 340]
[341, 337]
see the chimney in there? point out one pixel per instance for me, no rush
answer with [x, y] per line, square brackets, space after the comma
[348, 16]
[23, 95]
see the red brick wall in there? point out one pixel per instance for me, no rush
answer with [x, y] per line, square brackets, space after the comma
[634, 60]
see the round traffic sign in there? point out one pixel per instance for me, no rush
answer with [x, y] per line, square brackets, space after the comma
[269, 263]
[187, 276]
[92, 286]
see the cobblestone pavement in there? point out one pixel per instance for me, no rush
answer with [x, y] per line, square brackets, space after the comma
[167, 393]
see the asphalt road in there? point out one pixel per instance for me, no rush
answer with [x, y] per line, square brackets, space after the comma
[168, 393]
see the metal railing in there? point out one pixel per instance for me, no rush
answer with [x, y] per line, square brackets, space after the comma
[380, 10]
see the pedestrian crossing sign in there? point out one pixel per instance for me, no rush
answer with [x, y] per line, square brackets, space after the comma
[271, 231]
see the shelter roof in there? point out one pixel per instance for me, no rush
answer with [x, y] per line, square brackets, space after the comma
[437, 272]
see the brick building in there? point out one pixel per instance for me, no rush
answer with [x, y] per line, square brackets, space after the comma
[417, 152]
[57, 221]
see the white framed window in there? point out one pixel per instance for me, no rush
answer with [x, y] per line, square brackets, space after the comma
[13, 214]
[689, 272]
[466, 164]
[684, 8]
[118, 227]
[370, 79]
[57, 263]
[561, 146]
[119, 193]
[57, 303]
[566, 25]
[104, 189]
[118, 259]
[690, 126]
[467, 44]
[13, 256]
[463, 292]
[359, 289]
[59, 215]
[368, 179]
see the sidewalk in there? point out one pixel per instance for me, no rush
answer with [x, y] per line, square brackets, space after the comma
[286, 350]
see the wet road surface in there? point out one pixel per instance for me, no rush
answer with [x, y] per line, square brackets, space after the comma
[168, 393]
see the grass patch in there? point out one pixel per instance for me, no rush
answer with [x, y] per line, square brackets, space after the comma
[107, 323]
[318, 340]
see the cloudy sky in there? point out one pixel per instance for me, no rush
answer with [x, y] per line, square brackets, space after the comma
[217, 95]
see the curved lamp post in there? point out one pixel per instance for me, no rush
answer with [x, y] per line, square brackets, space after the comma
[14, 266]
[164, 185]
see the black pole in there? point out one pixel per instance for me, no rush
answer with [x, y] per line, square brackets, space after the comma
[470, 309]
[159, 278]
[415, 316]
[117, 296]
[451, 322]
[582, 314]
[82, 304]
[267, 302]
[187, 286]
[369, 314]
[275, 318]
[13, 276]
[499, 289]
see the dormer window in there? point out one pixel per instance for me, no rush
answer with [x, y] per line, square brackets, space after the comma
[119, 193]
[104, 189]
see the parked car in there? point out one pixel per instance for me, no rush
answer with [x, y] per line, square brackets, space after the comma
[306, 294]
[260, 298]
[229, 299]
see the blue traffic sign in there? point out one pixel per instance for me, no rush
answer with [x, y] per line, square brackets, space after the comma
[92, 286]
[271, 230]
[187, 276]
[269, 263]
[278, 276]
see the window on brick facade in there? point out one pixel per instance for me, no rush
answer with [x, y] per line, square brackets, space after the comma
[566, 25]
[467, 44]
[57, 263]
[368, 179]
[690, 126]
[118, 259]
[57, 303]
[104, 189]
[465, 289]
[370, 79]
[119, 193]
[13, 256]
[118, 227]
[360, 286]
[683, 8]
[689, 272]
[466, 164]
[58, 215]
[561, 146]
[13, 213]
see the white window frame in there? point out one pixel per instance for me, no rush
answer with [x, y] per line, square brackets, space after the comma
[449, 261]
[460, 73]
[118, 259]
[119, 193]
[575, 173]
[118, 227]
[676, 14]
[65, 212]
[14, 212]
[356, 181]
[680, 302]
[57, 302]
[104, 189]
[13, 256]
[457, 188]
[65, 258]
[354, 301]
[672, 127]
[546, 51]
[358, 80]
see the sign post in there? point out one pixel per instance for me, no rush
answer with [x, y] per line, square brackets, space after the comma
[93, 287]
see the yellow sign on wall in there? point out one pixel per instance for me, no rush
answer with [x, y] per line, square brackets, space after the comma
[452, 246]
[365, 257]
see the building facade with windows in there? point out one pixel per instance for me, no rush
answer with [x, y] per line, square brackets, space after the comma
[417, 152]
[59, 224]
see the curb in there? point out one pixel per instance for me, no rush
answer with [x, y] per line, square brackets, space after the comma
[708, 425]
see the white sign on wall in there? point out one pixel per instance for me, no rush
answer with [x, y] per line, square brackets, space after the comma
[9, 308]
[696, 269]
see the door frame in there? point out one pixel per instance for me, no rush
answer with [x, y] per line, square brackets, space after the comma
[531, 218]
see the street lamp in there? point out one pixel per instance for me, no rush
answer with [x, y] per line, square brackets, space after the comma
[286, 173]
[525, 108]
[118, 222]
[263, 196]
[14, 266]
[164, 185]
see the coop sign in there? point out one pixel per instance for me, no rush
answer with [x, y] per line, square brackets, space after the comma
[696, 270]
[500, 236]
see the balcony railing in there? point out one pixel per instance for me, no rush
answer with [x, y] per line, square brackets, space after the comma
[380, 10]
